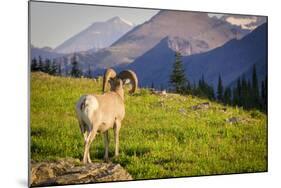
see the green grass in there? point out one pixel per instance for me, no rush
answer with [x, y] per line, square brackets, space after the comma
[160, 136]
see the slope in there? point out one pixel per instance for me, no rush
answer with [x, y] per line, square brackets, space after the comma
[230, 60]
[97, 36]
[202, 33]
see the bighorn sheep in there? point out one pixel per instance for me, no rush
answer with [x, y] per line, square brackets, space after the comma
[99, 113]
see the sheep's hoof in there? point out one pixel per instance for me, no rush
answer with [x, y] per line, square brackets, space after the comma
[106, 160]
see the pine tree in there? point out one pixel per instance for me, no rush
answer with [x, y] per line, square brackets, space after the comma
[227, 96]
[235, 99]
[65, 63]
[177, 78]
[203, 89]
[220, 89]
[54, 68]
[40, 64]
[59, 69]
[239, 90]
[264, 95]
[152, 85]
[89, 72]
[211, 93]
[34, 65]
[255, 88]
[47, 66]
[236, 93]
[75, 71]
[249, 96]
[244, 91]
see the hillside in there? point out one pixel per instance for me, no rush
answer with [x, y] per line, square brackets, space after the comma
[231, 60]
[95, 37]
[200, 31]
[44, 53]
[160, 136]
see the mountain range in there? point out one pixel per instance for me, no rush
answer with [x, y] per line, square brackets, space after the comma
[201, 33]
[232, 60]
[210, 46]
[44, 53]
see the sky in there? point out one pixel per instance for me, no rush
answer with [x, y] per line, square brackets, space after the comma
[52, 23]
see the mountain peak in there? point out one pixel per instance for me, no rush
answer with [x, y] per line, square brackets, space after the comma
[97, 36]
[118, 19]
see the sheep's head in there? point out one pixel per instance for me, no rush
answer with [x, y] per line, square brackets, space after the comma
[117, 81]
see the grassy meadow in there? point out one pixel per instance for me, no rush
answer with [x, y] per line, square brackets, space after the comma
[160, 136]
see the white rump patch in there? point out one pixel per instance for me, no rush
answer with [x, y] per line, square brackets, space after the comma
[87, 109]
[91, 103]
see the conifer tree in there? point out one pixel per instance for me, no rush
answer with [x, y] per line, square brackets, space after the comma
[65, 66]
[59, 69]
[220, 89]
[47, 66]
[234, 98]
[54, 68]
[236, 93]
[249, 96]
[75, 71]
[152, 85]
[34, 65]
[264, 95]
[177, 78]
[244, 93]
[227, 96]
[255, 88]
[239, 91]
[89, 72]
[40, 64]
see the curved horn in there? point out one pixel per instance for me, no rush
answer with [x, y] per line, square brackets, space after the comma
[129, 74]
[109, 73]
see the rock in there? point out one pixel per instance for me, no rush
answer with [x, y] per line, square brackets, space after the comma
[72, 171]
[233, 120]
[204, 105]
[160, 93]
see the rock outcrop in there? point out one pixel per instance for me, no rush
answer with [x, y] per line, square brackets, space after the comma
[72, 171]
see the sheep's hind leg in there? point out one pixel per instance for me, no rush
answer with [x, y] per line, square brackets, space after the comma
[85, 138]
[106, 145]
[88, 142]
[117, 127]
[85, 132]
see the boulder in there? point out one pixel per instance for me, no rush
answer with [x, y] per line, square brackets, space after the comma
[72, 171]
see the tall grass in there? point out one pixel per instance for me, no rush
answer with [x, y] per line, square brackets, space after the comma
[160, 136]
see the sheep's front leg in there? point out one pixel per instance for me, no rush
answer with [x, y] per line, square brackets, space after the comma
[88, 142]
[117, 127]
[106, 145]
